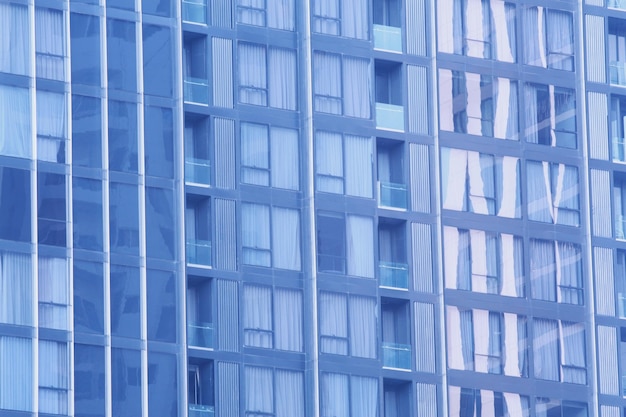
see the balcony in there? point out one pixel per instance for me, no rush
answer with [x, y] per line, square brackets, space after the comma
[197, 171]
[616, 4]
[393, 275]
[199, 252]
[617, 71]
[199, 410]
[392, 195]
[396, 355]
[196, 90]
[194, 11]
[620, 227]
[200, 335]
[619, 150]
[390, 117]
[388, 38]
[621, 304]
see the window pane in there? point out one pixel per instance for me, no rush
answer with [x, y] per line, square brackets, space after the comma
[121, 54]
[16, 289]
[14, 39]
[160, 224]
[88, 297]
[15, 129]
[54, 278]
[51, 209]
[15, 204]
[89, 381]
[53, 377]
[159, 147]
[126, 382]
[85, 35]
[49, 44]
[252, 74]
[331, 241]
[125, 303]
[157, 60]
[16, 373]
[257, 319]
[86, 131]
[162, 314]
[255, 168]
[124, 218]
[123, 154]
[51, 126]
[255, 234]
[162, 386]
[157, 7]
[88, 226]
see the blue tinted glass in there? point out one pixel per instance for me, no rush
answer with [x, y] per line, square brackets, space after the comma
[160, 224]
[51, 209]
[158, 7]
[126, 382]
[124, 218]
[157, 61]
[159, 137]
[121, 4]
[122, 136]
[125, 318]
[88, 297]
[89, 381]
[87, 212]
[161, 289]
[86, 132]
[85, 35]
[121, 57]
[162, 387]
[14, 204]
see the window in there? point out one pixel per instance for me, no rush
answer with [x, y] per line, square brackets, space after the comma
[159, 142]
[477, 28]
[388, 13]
[269, 156]
[617, 51]
[275, 14]
[199, 314]
[397, 398]
[121, 55]
[85, 42]
[87, 210]
[53, 291]
[160, 224]
[396, 334]
[343, 164]
[88, 297]
[347, 325]
[15, 126]
[196, 86]
[345, 244]
[16, 283]
[123, 153]
[51, 209]
[49, 44]
[550, 115]
[89, 380]
[162, 384]
[559, 351]
[469, 402]
[478, 104]
[486, 341]
[157, 59]
[162, 306]
[481, 183]
[270, 236]
[198, 230]
[556, 271]
[197, 151]
[267, 76]
[348, 395]
[341, 85]
[52, 126]
[552, 407]
[549, 38]
[272, 319]
[484, 262]
[273, 392]
[393, 270]
[619, 201]
[200, 387]
[16, 374]
[15, 194]
[125, 302]
[348, 18]
[124, 218]
[86, 131]
[553, 193]
[14, 39]
[391, 177]
[53, 377]
[126, 382]
[617, 120]
[620, 282]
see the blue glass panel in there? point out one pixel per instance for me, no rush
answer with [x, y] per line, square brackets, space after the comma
[14, 204]
[125, 312]
[162, 386]
[121, 4]
[88, 297]
[161, 290]
[51, 211]
[85, 42]
[126, 382]
[121, 53]
[86, 132]
[124, 218]
[158, 7]
[159, 137]
[123, 136]
[87, 212]
[89, 381]
[160, 224]
[157, 61]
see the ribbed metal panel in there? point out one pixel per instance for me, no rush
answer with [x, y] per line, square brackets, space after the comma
[420, 178]
[422, 257]
[603, 278]
[227, 316]
[609, 411]
[594, 44]
[601, 203]
[418, 99]
[598, 126]
[223, 72]
[228, 389]
[426, 400]
[224, 147]
[607, 361]
[416, 27]
[225, 234]
[221, 13]
[424, 337]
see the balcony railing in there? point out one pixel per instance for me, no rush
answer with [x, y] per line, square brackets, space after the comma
[392, 194]
[621, 304]
[619, 149]
[396, 355]
[390, 117]
[617, 4]
[200, 335]
[197, 171]
[620, 227]
[199, 252]
[618, 72]
[194, 11]
[388, 38]
[393, 275]
[199, 410]
[196, 90]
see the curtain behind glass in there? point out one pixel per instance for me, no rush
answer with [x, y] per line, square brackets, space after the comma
[16, 373]
[539, 191]
[333, 323]
[284, 158]
[257, 319]
[15, 121]
[289, 393]
[364, 396]
[282, 81]
[255, 234]
[252, 74]
[327, 81]
[362, 327]
[329, 162]
[49, 44]
[358, 166]
[259, 391]
[251, 12]
[560, 40]
[286, 238]
[14, 39]
[565, 189]
[51, 125]
[288, 319]
[464, 262]
[546, 349]
[534, 45]
[280, 14]
[360, 246]
[326, 18]
[542, 270]
[16, 289]
[335, 395]
[356, 87]
[354, 19]
[53, 377]
[53, 293]
[569, 273]
[254, 154]
[573, 353]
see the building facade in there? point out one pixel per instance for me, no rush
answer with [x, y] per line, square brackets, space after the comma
[303, 208]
